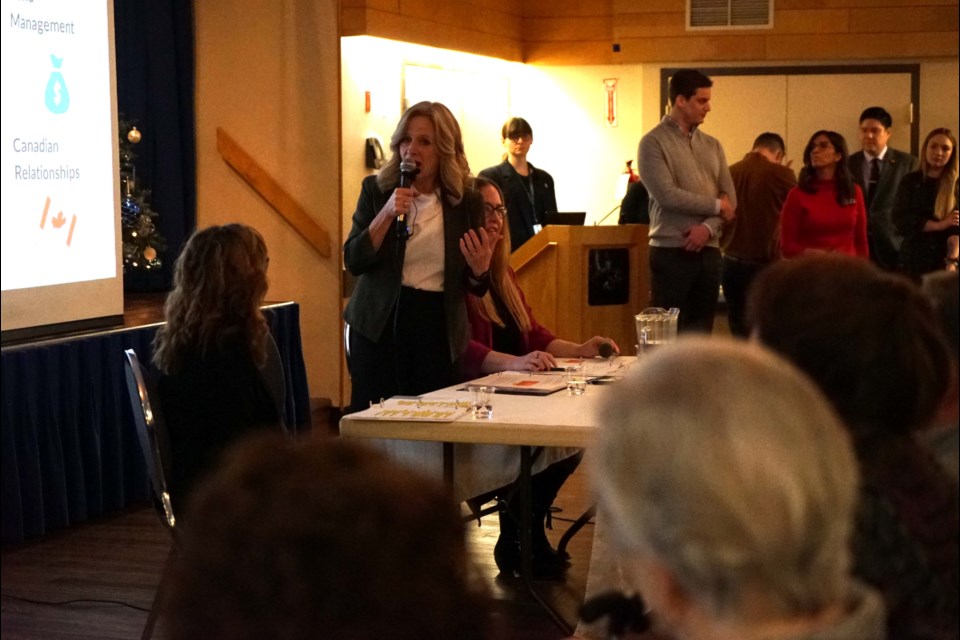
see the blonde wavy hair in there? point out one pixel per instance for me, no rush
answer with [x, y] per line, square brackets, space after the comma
[454, 168]
[500, 281]
[220, 281]
[947, 185]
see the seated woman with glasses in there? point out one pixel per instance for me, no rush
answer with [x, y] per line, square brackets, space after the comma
[528, 191]
[506, 336]
[825, 212]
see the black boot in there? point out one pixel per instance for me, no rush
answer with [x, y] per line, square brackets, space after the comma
[541, 544]
[544, 489]
[509, 556]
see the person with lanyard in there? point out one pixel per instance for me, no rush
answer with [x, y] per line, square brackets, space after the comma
[529, 191]
[416, 249]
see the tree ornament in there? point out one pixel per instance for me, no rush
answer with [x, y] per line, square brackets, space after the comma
[130, 211]
[150, 254]
[133, 135]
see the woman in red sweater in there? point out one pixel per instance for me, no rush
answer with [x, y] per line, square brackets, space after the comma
[825, 211]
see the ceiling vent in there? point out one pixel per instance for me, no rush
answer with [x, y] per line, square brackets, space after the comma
[729, 14]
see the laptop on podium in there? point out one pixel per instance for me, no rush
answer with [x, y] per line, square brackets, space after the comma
[575, 218]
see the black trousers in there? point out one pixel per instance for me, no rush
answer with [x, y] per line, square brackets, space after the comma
[736, 277]
[688, 280]
[412, 356]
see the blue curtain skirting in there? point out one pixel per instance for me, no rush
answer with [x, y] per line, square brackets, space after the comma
[69, 445]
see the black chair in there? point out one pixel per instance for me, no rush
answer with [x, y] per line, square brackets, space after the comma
[155, 444]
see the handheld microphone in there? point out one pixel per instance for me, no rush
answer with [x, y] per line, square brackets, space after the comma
[408, 171]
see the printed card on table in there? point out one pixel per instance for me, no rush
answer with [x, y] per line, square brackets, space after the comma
[416, 409]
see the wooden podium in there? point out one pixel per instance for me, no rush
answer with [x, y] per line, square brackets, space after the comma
[586, 281]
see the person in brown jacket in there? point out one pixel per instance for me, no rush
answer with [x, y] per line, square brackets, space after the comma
[752, 240]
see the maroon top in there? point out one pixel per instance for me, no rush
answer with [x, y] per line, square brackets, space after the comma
[481, 334]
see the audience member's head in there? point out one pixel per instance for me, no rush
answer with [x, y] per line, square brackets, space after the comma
[685, 82]
[323, 538]
[869, 339]
[733, 485]
[219, 283]
[941, 287]
[771, 145]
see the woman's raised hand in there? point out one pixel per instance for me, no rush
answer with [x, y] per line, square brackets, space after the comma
[477, 247]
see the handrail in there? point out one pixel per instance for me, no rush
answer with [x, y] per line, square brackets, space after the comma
[550, 245]
[271, 191]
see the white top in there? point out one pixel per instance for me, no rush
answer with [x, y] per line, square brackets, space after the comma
[424, 258]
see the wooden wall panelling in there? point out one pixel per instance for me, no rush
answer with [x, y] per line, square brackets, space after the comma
[577, 32]
[862, 46]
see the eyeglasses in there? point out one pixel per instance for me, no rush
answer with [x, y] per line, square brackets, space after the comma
[490, 211]
[823, 144]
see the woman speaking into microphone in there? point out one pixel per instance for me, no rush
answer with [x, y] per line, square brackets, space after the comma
[417, 245]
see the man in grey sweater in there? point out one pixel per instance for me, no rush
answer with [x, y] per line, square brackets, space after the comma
[691, 197]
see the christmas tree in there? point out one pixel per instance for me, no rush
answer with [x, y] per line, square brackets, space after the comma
[142, 242]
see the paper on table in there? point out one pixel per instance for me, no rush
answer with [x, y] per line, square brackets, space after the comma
[537, 384]
[416, 409]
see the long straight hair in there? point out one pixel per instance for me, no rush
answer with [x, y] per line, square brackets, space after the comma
[947, 183]
[501, 282]
[807, 180]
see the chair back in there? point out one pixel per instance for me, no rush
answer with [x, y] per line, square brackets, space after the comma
[151, 432]
[273, 378]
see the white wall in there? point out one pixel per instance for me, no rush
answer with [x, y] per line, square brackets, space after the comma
[564, 105]
[267, 74]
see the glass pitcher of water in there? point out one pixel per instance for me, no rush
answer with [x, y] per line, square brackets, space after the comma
[655, 326]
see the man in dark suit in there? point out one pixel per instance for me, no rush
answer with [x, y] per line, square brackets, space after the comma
[878, 170]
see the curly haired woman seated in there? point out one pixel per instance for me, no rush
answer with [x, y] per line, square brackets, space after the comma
[212, 350]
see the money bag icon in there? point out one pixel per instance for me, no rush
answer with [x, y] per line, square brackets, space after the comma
[57, 97]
